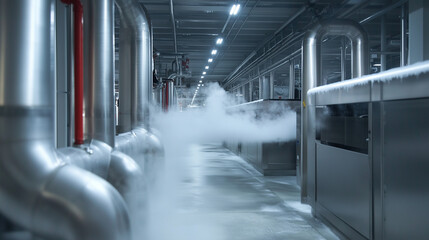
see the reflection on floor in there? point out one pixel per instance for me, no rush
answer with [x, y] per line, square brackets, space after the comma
[222, 198]
[218, 196]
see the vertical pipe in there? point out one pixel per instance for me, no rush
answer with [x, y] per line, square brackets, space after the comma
[291, 80]
[272, 84]
[403, 36]
[124, 78]
[53, 65]
[99, 75]
[70, 82]
[261, 79]
[311, 75]
[78, 68]
[343, 60]
[265, 87]
[141, 68]
[250, 91]
[63, 66]
[36, 190]
[383, 43]
[137, 20]
[171, 90]
[167, 95]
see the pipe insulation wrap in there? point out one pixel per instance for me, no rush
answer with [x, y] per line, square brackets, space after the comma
[311, 77]
[135, 20]
[37, 189]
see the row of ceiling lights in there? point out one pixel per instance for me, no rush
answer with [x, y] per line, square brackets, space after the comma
[234, 11]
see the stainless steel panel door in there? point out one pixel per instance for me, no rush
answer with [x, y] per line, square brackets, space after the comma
[344, 186]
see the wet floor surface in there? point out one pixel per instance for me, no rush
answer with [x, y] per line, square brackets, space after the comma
[219, 196]
[222, 197]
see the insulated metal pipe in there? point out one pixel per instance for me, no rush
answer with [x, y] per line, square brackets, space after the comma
[251, 91]
[383, 43]
[78, 69]
[403, 37]
[99, 75]
[291, 80]
[137, 22]
[265, 87]
[272, 75]
[173, 22]
[343, 60]
[311, 77]
[168, 94]
[124, 79]
[37, 190]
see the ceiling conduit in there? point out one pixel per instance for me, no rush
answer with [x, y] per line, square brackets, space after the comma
[37, 190]
[311, 77]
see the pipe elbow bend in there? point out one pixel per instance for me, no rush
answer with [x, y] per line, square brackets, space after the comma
[156, 144]
[125, 174]
[76, 204]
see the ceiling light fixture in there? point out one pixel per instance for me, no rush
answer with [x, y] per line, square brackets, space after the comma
[204, 73]
[201, 81]
[202, 76]
[210, 60]
[214, 51]
[234, 9]
[219, 41]
[207, 67]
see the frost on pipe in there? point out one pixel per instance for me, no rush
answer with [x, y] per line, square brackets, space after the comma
[386, 76]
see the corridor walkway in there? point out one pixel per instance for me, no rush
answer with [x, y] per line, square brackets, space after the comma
[221, 197]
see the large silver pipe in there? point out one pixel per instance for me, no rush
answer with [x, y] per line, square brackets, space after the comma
[93, 157]
[272, 76]
[124, 79]
[97, 156]
[265, 87]
[137, 32]
[37, 190]
[99, 73]
[383, 60]
[251, 91]
[311, 77]
[173, 22]
[137, 22]
[291, 80]
[403, 37]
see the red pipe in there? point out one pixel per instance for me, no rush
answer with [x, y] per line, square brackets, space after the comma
[78, 69]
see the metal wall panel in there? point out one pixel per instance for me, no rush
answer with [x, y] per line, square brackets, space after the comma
[344, 186]
[406, 166]
[269, 158]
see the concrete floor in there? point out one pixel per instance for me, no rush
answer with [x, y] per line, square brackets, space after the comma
[222, 197]
[219, 196]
